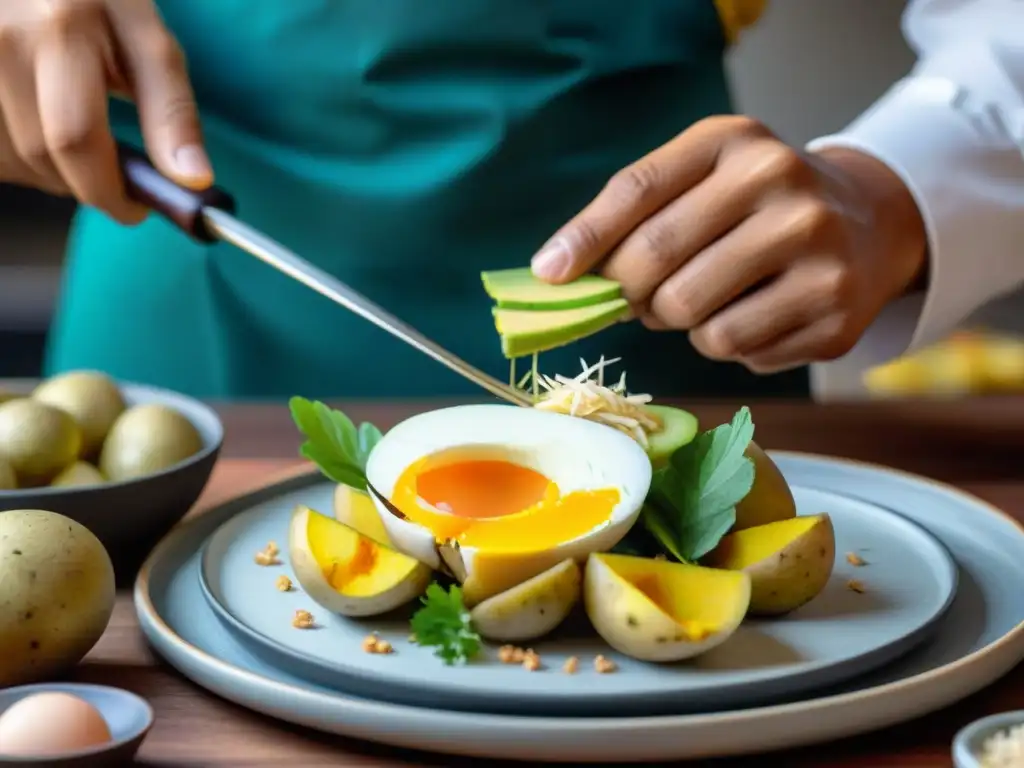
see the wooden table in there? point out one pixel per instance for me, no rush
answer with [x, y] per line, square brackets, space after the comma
[969, 444]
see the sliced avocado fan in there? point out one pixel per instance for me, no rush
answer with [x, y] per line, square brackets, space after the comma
[519, 289]
[525, 332]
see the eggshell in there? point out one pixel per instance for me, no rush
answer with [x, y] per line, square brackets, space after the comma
[51, 724]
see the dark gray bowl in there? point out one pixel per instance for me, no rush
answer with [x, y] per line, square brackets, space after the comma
[129, 518]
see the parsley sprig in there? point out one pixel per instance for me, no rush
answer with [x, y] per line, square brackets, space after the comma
[443, 622]
[333, 442]
[692, 501]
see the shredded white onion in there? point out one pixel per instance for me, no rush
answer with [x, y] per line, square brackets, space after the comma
[587, 396]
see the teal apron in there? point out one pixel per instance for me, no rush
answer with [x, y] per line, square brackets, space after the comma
[403, 146]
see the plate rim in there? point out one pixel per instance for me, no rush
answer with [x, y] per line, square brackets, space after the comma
[995, 659]
[471, 698]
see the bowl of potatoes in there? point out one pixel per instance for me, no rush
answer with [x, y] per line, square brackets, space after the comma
[125, 460]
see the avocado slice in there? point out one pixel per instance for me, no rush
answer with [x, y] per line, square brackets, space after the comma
[519, 289]
[525, 332]
[679, 427]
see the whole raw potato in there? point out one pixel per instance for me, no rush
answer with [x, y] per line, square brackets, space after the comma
[56, 594]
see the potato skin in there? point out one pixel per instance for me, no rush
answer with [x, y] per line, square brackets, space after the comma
[534, 608]
[796, 574]
[634, 626]
[770, 499]
[56, 594]
[310, 577]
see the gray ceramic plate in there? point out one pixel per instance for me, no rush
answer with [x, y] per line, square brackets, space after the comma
[979, 640]
[910, 579]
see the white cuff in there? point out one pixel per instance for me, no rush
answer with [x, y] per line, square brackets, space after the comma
[964, 168]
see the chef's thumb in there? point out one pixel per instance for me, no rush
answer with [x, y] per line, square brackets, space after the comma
[169, 116]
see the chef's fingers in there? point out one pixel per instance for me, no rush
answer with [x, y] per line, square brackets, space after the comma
[71, 73]
[19, 109]
[632, 196]
[157, 72]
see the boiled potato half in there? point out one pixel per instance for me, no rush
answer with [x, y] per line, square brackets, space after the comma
[56, 594]
[493, 572]
[356, 509]
[532, 609]
[37, 440]
[92, 399]
[789, 562]
[769, 499]
[656, 610]
[348, 573]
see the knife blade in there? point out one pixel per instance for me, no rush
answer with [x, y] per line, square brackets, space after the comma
[209, 216]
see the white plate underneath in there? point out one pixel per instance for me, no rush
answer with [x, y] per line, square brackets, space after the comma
[978, 641]
[909, 576]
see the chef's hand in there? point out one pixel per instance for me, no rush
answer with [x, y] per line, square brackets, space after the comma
[767, 256]
[59, 62]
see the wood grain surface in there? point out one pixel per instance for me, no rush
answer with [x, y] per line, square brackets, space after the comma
[971, 444]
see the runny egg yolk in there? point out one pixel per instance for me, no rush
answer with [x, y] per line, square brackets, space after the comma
[498, 505]
[482, 489]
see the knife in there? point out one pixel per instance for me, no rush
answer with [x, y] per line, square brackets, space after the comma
[209, 216]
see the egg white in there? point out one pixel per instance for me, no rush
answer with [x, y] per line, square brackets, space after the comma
[575, 453]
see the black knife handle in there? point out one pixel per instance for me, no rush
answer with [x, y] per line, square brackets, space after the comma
[180, 205]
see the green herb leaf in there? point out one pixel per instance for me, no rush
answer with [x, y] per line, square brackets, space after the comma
[369, 436]
[658, 525]
[338, 471]
[339, 430]
[333, 442]
[692, 502]
[444, 623]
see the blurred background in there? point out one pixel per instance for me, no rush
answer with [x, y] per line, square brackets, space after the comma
[807, 69]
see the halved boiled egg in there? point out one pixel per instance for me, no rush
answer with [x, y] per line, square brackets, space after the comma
[347, 572]
[499, 494]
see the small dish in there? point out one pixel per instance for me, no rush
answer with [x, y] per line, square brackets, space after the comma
[970, 740]
[128, 716]
[130, 517]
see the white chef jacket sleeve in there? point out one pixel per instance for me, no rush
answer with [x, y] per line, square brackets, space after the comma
[953, 130]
